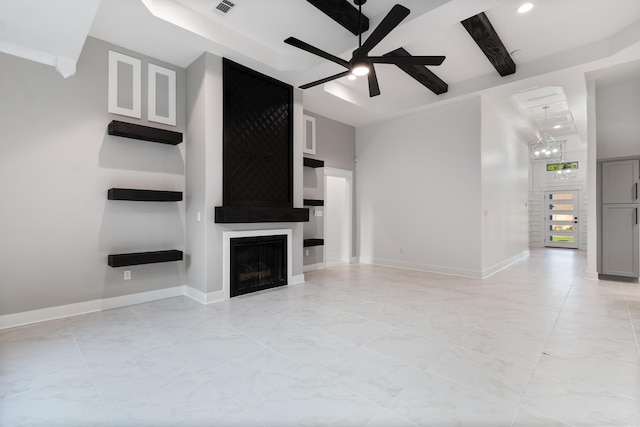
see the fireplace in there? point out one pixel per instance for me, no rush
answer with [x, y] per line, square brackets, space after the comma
[257, 263]
[254, 260]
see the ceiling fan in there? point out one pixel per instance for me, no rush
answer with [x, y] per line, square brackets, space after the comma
[361, 63]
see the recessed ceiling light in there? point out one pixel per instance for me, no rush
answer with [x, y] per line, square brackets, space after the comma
[557, 126]
[351, 77]
[525, 7]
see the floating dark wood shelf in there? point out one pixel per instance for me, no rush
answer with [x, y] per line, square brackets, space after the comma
[312, 242]
[137, 258]
[313, 163]
[143, 195]
[145, 133]
[313, 202]
[255, 214]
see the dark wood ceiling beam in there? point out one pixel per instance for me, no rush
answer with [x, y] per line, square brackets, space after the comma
[344, 13]
[480, 29]
[421, 73]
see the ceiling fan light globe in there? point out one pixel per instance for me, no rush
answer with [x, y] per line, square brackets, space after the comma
[360, 70]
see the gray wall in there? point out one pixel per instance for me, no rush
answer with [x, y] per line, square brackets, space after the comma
[57, 162]
[336, 145]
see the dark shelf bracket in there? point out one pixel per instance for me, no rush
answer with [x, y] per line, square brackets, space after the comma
[145, 133]
[137, 258]
[143, 195]
[313, 202]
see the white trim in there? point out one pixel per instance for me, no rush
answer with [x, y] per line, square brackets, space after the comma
[306, 120]
[61, 311]
[355, 260]
[474, 274]
[313, 267]
[201, 297]
[226, 253]
[348, 176]
[504, 264]
[592, 275]
[136, 96]
[153, 71]
[298, 279]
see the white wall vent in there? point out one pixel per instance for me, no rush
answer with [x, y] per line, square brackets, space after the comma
[225, 6]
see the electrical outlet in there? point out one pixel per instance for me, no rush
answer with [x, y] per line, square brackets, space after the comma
[306, 252]
[127, 275]
[401, 250]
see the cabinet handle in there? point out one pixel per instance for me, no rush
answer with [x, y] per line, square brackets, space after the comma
[636, 190]
[636, 216]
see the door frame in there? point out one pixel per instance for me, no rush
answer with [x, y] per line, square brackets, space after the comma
[348, 176]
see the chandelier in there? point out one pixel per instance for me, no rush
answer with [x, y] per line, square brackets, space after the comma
[546, 147]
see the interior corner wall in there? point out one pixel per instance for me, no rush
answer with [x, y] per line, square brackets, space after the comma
[419, 190]
[505, 192]
[204, 179]
[56, 225]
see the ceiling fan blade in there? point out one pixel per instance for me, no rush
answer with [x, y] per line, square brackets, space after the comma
[314, 50]
[374, 89]
[408, 60]
[326, 79]
[391, 21]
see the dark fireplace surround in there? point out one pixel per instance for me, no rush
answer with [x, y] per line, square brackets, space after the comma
[257, 145]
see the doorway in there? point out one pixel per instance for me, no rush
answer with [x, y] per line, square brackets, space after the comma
[338, 185]
[561, 219]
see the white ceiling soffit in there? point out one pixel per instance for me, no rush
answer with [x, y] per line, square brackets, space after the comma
[46, 31]
[559, 119]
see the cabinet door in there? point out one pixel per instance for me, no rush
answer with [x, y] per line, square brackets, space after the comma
[620, 237]
[620, 181]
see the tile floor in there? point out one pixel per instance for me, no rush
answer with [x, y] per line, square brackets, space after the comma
[534, 345]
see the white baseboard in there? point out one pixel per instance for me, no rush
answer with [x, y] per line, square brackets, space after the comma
[355, 260]
[504, 264]
[591, 275]
[297, 280]
[313, 267]
[68, 310]
[474, 274]
[201, 297]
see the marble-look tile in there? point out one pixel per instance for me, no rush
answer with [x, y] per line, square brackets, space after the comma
[618, 377]
[408, 347]
[27, 365]
[208, 348]
[497, 377]
[528, 418]
[253, 378]
[354, 329]
[313, 402]
[69, 402]
[438, 402]
[513, 348]
[370, 374]
[192, 400]
[576, 403]
[436, 326]
[386, 418]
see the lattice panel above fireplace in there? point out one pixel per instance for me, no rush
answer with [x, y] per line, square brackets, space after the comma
[258, 139]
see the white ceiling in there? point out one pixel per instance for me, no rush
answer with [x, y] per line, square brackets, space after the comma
[558, 41]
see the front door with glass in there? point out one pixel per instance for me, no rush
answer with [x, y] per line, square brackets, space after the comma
[561, 219]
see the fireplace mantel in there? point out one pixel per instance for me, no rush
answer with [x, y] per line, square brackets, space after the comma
[258, 214]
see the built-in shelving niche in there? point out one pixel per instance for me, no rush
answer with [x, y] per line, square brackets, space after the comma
[162, 136]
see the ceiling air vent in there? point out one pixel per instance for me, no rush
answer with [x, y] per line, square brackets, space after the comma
[225, 6]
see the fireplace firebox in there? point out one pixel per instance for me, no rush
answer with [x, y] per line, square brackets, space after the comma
[257, 263]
